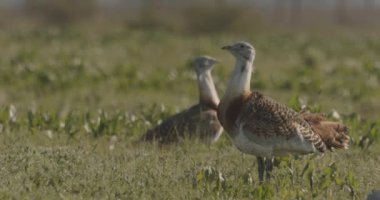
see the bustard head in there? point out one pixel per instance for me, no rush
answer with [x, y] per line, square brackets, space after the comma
[241, 50]
[204, 63]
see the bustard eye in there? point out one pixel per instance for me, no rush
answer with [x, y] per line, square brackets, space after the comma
[241, 46]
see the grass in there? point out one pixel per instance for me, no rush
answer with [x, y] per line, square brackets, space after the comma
[74, 101]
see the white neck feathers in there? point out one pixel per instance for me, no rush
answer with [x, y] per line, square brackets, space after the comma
[207, 90]
[240, 79]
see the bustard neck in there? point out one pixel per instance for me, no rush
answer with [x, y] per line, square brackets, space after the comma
[238, 89]
[240, 79]
[207, 91]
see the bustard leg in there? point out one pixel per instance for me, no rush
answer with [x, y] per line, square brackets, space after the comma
[261, 168]
[268, 167]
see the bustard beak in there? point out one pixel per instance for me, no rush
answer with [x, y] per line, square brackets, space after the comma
[227, 47]
[215, 61]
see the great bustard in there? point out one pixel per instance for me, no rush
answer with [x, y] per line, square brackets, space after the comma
[262, 127]
[199, 120]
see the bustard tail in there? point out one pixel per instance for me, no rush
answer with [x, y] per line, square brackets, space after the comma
[333, 134]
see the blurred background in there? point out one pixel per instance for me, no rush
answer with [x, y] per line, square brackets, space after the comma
[195, 16]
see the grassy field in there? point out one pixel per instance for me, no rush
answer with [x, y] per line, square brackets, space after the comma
[72, 103]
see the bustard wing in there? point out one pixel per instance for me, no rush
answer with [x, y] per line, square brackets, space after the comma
[209, 127]
[263, 117]
[171, 129]
[198, 119]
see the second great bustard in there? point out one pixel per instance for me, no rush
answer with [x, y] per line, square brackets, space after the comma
[262, 127]
[198, 121]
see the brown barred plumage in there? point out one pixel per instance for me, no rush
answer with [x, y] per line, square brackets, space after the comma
[199, 121]
[333, 134]
[266, 118]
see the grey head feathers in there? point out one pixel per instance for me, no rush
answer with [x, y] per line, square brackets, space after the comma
[241, 50]
[204, 63]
